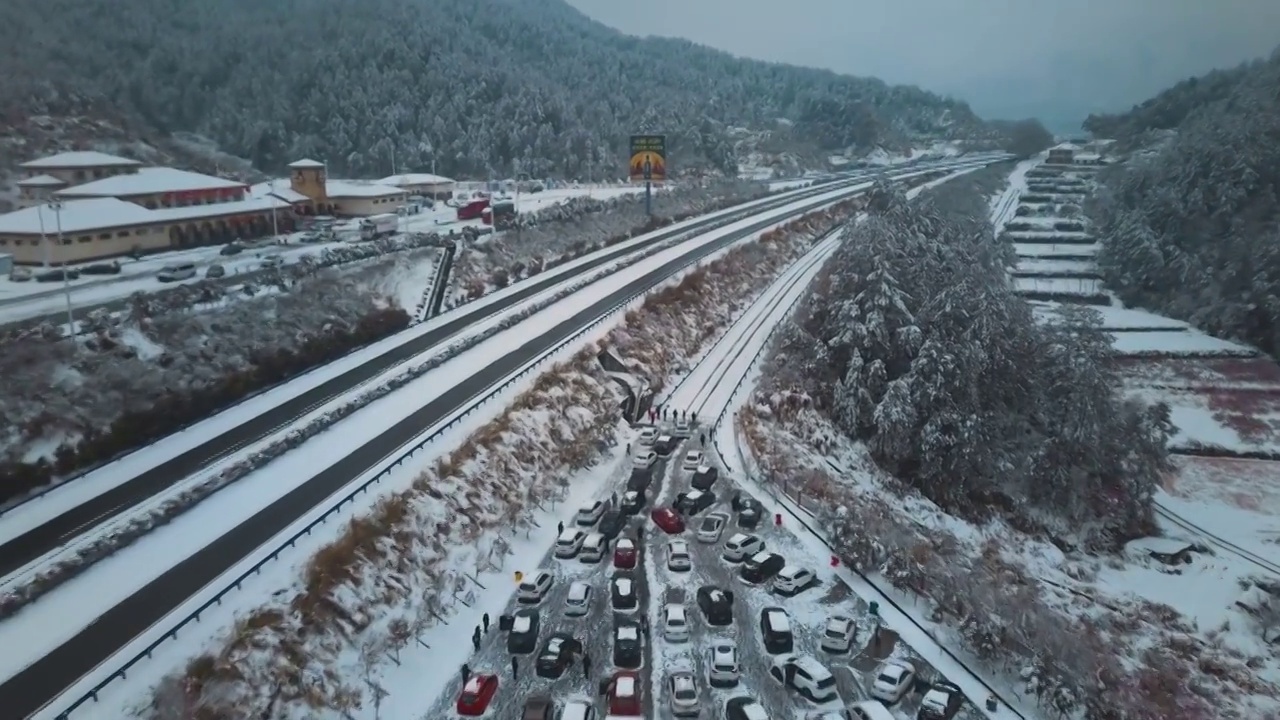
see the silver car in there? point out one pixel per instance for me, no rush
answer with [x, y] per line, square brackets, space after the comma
[578, 602]
[684, 695]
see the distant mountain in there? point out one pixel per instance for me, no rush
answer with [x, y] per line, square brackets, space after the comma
[484, 86]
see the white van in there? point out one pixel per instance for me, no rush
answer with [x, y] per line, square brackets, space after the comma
[593, 548]
[176, 272]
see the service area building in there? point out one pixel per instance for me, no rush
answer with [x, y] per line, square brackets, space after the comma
[425, 184]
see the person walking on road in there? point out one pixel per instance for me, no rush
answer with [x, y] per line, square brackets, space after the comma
[475, 639]
[703, 439]
[515, 667]
[466, 673]
[486, 623]
[560, 528]
[693, 416]
[586, 667]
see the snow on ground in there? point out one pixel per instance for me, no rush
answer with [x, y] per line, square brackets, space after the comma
[1048, 250]
[1113, 318]
[1237, 500]
[1052, 266]
[410, 278]
[1064, 286]
[1177, 343]
[1005, 203]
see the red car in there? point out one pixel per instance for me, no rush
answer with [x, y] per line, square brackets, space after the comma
[476, 695]
[624, 694]
[624, 554]
[667, 519]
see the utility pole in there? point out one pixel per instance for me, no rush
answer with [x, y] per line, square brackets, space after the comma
[66, 277]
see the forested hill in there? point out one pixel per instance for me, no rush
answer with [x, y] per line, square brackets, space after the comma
[488, 81]
[1191, 228]
[1170, 108]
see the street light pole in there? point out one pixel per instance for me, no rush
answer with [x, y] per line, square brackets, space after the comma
[66, 277]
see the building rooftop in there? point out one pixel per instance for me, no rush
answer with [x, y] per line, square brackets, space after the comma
[1066, 146]
[76, 216]
[150, 181]
[216, 210]
[80, 159]
[42, 181]
[359, 189]
[415, 179]
[277, 188]
[306, 163]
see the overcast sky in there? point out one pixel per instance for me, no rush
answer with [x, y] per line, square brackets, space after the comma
[1056, 59]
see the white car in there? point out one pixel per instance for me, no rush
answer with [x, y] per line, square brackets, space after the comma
[791, 579]
[711, 527]
[682, 427]
[692, 460]
[578, 602]
[869, 710]
[588, 515]
[644, 460]
[893, 680]
[741, 546]
[647, 437]
[578, 710]
[684, 694]
[675, 623]
[678, 557]
[805, 675]
[569, 543]
[724, 669]
[533, 588]
[838, 635]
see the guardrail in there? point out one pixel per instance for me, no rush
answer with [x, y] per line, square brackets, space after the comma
[478, 400]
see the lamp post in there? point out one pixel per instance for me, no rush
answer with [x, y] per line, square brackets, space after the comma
[520, 177]
[56, 205]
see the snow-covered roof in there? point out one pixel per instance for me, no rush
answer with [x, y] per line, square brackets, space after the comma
[579, 590]
[754, 711]
[623, 585]
[569, 535]
[703, 469]
[627, 632]
[779, 621]
[278, 188]
[472, 686]
[150, 181]
[675, 612]
[839, 623]
[1066, 146]
[416, 179]
[521, 624]
[76, 216]
[935, 700]
[214, 210]
[679, 546]
[790, 571]
[553, 645]
[359, 189]
[1088, 156]
[1159, 545]
[737, 539]
[760, 556]
[306, 163]
[625, 686]
[42, 181]
[682, 682]
[624, 544]
[79, 159]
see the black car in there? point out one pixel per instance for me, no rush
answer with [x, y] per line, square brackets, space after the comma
[522, 638]
[761, 567]
[716, 605]
[704, 477]
[749, 513]
[736, 709]
[231, 249]
[558, 653]
[611, 523]
[640, 479]
[694, 502]
[775, 631]
[538, 707]
[626, 645]
[665, 445]
[633, 502]
[622, 591]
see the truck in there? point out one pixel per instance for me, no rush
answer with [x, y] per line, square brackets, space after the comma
[376, 226]
[501, 215]
[473, 210]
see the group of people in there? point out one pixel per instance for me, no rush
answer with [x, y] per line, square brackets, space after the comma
[659, 412]
[478, 636]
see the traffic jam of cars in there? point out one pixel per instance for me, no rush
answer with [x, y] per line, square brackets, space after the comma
[729, 620]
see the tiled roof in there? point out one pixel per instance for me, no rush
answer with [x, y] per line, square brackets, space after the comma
[42, 181]
[359, 189]
[76, 216]
[306, 163]
[415, 179]
[149, 181]
[82, 159]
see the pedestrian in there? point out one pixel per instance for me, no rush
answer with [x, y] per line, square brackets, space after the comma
[586, 666]
[560, 528]
[628, 448]
[475, 639]
[694, 416]
[515, 667]
[486, 623]
[466, 673]
[703, 439]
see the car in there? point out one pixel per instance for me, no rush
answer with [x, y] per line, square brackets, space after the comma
[893, 680]
[647, 437]
[589, 514]
[21, 274]
[749, 513]
[231, 249]
[593, 548]
[667, 519]
[867, 710]
[716, 605]
[612, 523]
[744, 708]
[678, 557]
[272, 262]
[724, 669]
[692, 460]
[805, 675]
[640, 479]
[623, 592]
[704, 477]
[622, 694]
[682, 427]
[627, 650]
[711, 527]
[215, 271]
[533, 588]
[694, 501]
[558, 653]
[665, 445]
[644, 459]
[578, 709]
[578, 602]
[741, 546]
[632, 502]
[793, 580]
[569, 543]
[775, 631]
[624, 554]
[941, 702]
[837, 636]
[761, 567]
[683, 694]
[476, 694]
[675, 623]
[522, 638]
[538, 707]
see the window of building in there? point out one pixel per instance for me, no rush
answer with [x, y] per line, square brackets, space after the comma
[151, 204]
[66, 241]
[104, 236]
[123, 233]
[80, 175]
[3, 242]
[86, 238]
